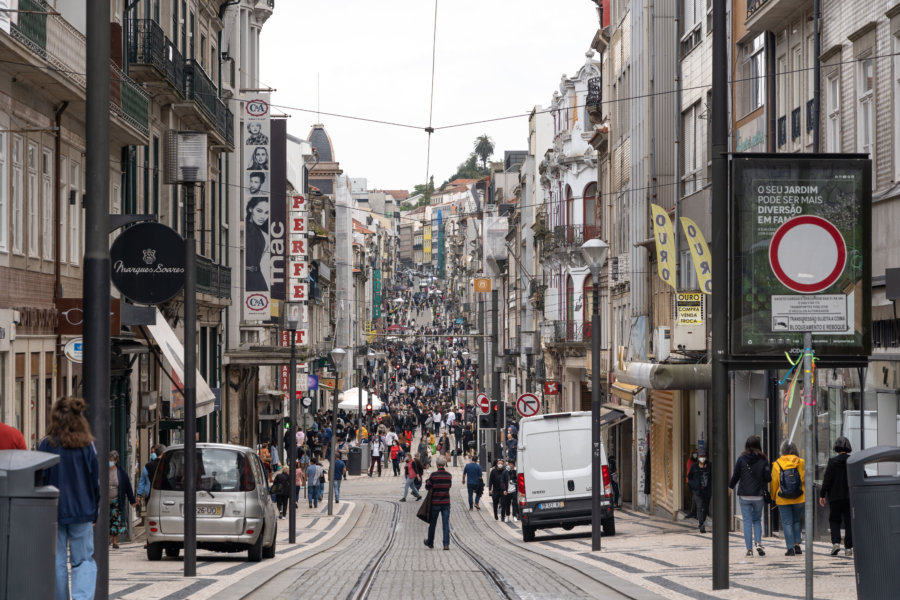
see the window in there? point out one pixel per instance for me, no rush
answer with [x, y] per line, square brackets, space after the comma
[591, 219]
[865, 111]
[4, 198]
[32, 199]
[74, 212]
[18, 198]
[63, 208]
[47, 203]
[833, 108]
[896, 105]
[796, 91]
[692, 33]
[753, 82]
[690, 126]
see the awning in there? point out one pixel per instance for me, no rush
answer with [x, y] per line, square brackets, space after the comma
[625, 391]
[173, 350]
[612, 417]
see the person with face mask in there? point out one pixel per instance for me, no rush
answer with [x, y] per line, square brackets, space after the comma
[687, 469]
[700, 481]
[119, 492]
[498, 479]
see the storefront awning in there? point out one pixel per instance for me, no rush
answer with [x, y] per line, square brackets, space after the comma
[173, 350]
[612, 418]
[625, 391]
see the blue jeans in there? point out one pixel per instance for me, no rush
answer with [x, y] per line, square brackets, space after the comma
[80, 539]
[751, 513]
[472, 488]
[337, 489]
[444, 511]
[313, 493]
[410, 486]
[792, 523]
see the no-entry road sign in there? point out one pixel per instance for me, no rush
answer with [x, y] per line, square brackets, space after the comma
[528, 405]
[484, 405]
[808, 254]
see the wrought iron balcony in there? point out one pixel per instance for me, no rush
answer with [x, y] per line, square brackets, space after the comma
[564, 242]
[153, 57]
[212, 278]
[570, 332]
[201, 90]
[54, 40]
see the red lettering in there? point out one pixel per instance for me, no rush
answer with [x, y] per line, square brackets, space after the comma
[299, 203]
[298, 246]
[299, 225]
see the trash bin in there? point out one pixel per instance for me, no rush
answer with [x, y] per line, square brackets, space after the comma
[875, 519]
[366, 456]
[354, 461]
[28, 514]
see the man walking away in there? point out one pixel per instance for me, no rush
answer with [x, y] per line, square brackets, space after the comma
[439, 483]
[339, 474]
[472, 479]
[836, 489]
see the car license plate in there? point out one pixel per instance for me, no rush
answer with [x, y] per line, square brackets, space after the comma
[546, 505]
[209, 510]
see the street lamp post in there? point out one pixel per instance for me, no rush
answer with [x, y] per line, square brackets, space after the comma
[293, 320]
[595, 252]
[337, 355]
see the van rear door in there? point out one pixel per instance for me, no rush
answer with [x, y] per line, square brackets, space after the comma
[539, 457]
[575, 452]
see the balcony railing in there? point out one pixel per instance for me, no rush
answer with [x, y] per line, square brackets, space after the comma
[148, 45]
[570, 332]
[201, 89]
[229, 127]
[212, 278]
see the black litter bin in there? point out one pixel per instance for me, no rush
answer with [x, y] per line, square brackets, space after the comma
[28, 515]
[875, 519]
[354, 461]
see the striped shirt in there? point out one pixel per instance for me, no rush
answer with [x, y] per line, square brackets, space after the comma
[439, 483]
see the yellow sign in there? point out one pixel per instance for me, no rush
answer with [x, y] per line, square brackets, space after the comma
[699, 253]
[482, 285]
[665, 245]
[327, 383]
[369, 332]
[689, 308]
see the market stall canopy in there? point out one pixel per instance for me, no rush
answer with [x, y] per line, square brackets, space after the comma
[350, 400]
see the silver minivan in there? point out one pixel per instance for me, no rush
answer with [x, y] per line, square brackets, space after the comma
[235, 511]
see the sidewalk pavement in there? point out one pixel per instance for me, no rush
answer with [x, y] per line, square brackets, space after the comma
[674, 560]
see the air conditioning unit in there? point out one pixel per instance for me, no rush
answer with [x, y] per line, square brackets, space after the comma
[662, 340]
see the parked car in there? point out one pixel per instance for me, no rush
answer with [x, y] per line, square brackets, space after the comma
[554, 474]
[235, 511]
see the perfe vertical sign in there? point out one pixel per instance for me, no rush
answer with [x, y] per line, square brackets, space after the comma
[801, 248]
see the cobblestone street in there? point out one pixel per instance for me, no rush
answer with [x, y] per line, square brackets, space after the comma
[374, 548]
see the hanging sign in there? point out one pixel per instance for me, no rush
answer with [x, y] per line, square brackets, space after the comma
[147, 263]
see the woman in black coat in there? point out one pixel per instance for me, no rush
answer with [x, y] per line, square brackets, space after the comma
[836, 490]
[282, 487]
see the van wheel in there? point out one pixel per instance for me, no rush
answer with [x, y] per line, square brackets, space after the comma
[270, 551]
[172, 551]
[255, 551]
[569, 526]
[527, 533]
[154, 551]
[609, 526]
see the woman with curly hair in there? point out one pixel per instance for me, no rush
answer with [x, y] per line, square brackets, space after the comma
[77, 478]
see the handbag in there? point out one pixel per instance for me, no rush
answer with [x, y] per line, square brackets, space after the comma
[424, 512]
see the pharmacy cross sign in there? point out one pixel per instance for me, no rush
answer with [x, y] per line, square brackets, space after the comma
[528, 405]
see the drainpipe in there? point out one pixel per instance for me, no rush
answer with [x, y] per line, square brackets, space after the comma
[679, 4]
[57, 194]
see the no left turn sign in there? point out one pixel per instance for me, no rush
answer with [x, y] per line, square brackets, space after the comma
[528, 405]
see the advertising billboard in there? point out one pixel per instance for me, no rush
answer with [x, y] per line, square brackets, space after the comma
[256, 193]
[800, 256]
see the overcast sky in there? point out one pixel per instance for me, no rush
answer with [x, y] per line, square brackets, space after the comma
[372, 59]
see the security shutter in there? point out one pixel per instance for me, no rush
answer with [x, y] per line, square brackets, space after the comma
[662, 465]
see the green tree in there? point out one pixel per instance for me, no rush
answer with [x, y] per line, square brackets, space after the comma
[484, 148]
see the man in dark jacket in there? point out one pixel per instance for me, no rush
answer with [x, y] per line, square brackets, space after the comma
[700, 481]
[837, 491]
[439, 483]
[498, 479]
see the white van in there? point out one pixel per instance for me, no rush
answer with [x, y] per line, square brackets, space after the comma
[554, 466]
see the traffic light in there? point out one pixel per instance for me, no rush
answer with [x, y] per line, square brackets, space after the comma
[369, 408]
[510, 413]
[494, 414]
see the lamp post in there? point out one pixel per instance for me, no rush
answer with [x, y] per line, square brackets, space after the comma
[337, 355]
[595, 252]
[186, 164]
[292, 321]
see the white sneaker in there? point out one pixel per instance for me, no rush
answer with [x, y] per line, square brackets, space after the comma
[515, 520]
